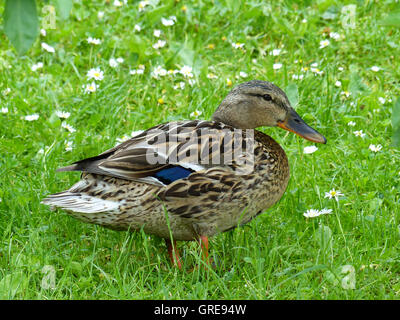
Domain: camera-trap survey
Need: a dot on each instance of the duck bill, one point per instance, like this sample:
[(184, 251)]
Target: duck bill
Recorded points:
[(294, 123)]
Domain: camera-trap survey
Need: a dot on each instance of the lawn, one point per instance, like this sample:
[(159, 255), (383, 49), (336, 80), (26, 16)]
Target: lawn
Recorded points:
[(168, 60)]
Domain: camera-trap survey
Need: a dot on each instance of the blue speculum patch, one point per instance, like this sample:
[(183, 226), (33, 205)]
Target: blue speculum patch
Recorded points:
[(171, 174)]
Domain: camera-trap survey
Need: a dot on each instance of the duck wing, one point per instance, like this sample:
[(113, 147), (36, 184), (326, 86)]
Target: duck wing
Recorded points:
[(168, 152)]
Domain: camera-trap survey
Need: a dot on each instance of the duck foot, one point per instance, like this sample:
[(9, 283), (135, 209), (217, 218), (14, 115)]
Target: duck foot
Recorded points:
[(173, 253)]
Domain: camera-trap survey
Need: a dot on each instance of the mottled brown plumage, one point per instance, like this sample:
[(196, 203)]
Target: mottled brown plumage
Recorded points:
[(191, 179)]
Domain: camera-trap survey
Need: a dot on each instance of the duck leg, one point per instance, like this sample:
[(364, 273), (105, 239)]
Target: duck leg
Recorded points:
[(173, 253), (203, 240)]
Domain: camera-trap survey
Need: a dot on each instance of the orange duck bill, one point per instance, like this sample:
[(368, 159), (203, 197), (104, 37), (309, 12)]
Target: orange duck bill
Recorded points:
[(294, 123)]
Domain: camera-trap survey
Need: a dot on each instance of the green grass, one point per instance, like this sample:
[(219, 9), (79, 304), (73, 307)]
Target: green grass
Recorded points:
[(279, 255)]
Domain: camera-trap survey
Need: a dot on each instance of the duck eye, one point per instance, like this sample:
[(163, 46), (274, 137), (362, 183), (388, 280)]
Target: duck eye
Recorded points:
[(267, 97)]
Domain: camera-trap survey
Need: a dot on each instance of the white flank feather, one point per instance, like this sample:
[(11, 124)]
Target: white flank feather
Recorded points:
[(80, 203)]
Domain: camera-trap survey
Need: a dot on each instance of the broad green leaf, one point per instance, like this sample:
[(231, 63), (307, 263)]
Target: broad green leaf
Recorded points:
[(13, 284), (21, 23), (187, 56), (137, 45), (356, 85), (292, 93), (323, 235), (155, 15), (392, 19), (64, 8), (330, 14), (234, 5), (396, 124)]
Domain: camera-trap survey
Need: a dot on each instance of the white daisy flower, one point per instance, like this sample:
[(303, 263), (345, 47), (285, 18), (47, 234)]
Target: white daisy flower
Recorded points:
[(211, 76), (180, 85), (137, 28), (359, 133), (297, 77), (96, 74), (338, 83), (345, 93), (120, 60), (32, 117), (4, 110), (334, 35), (237, 45), (136, 133), (340, 68), (243, 74), (186, 71), (277, 66), (276, 52), (382, 100), (118, 3), (375, 68), (157, 33), (100, 14), (6, 91), (63, 114), (159, 72), (317, 71), (37, 66), (68, 127), (142, 5), (375, 148), (113, 63), (94, 41), (310, 149), (351, 123), (304, 20), (168, 22), (172, 72), (333, 194), (159, 44), (123, 138), (324, 43), (68, 145), (90, 87), (139, 70), (326, 211), (196, 114), (48, 48), (311, 213), (43, 32)]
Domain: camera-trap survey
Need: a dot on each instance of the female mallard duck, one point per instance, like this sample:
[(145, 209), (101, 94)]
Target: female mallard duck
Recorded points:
[(189, 180)]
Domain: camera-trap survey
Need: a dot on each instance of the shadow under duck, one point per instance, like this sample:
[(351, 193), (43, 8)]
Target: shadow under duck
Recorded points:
[(189, 180)]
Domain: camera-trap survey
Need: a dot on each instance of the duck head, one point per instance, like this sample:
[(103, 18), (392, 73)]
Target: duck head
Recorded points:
[(259, 103)]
